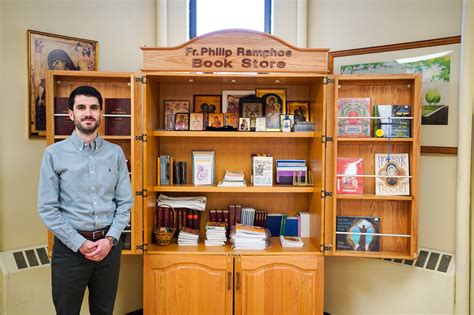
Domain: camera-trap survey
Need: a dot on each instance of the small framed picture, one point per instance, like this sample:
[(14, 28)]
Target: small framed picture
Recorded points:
[(244, 124), (251, 107), (181, 121), (299, 109), (216, 120), (260, 124), (287, 122), (171, 108), (231, 99), (196, 121), (232, 120), (273, 107), (207, 103)]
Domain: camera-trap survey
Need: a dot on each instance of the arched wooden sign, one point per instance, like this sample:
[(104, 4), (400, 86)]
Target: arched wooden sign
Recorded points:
[(235, 51)]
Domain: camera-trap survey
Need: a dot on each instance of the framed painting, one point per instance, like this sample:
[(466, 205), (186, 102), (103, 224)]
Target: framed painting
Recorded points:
[(300, 110), (181, 121), (207, 104), (438, 62), (251, 107), (231, 99), (53, 52), (172, 107), (274, 101)]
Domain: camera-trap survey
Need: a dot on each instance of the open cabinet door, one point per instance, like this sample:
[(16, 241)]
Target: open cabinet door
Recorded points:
[(375, 125)]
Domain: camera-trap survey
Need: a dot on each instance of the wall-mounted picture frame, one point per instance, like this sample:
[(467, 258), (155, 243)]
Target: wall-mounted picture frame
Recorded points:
[(274, 103), (251, 107), (181, 121), (231, 99), (48, 51), (299, 109), (438, 60), (172, 107), (196, 121)]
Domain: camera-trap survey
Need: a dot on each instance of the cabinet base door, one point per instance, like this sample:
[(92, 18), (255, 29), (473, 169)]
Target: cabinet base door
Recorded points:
[(279, 285), (176, 284)]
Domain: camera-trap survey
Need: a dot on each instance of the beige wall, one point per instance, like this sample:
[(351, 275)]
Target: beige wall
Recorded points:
[(363, 286), (121, 27)]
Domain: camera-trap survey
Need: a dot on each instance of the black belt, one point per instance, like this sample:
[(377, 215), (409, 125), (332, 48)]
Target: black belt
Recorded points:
[(95, 235)]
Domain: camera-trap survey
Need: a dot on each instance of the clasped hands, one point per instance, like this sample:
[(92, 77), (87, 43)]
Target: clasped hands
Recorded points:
[(96, 251)]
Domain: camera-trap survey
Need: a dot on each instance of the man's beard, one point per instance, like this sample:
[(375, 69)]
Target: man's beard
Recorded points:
[(87, 130)]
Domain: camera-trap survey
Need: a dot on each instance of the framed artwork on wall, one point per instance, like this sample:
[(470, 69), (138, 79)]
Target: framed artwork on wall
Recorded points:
[(53, 52), (438, 62)]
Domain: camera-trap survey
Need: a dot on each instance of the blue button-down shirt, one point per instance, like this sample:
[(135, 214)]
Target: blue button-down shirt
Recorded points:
[(84, 187)]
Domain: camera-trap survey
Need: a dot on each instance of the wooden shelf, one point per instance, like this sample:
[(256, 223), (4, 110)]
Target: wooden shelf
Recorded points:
[(381, 254), (309, 248), (102, 136), (248, 189), (373, 197), (235, 134), (371, 139)]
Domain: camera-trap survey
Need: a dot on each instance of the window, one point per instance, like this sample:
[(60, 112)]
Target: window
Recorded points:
[(210, 15)]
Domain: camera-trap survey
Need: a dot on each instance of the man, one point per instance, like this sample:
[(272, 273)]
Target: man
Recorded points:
[(84, 198)]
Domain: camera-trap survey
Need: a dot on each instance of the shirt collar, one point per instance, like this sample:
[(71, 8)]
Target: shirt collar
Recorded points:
[(79, 144)]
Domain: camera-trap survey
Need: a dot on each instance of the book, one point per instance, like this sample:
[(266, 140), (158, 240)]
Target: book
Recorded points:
[(355, 233), (117, 106), (203, 167), (262, 170), (291, 226), (353, 126), (273, 223), (304, 224), (346, 182), (291, 241), (117, 126), (392, 128), (392, 173)]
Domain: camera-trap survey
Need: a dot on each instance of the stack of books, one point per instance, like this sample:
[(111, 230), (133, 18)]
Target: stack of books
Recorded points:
[(250, 237), (188, 237), (215, 234), (233, 179), (291, 241)]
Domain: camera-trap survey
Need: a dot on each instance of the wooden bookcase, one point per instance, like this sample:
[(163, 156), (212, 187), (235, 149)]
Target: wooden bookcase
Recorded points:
[(220, 280)]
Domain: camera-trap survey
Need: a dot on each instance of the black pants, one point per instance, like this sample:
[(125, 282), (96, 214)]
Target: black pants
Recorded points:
[(72, 272)]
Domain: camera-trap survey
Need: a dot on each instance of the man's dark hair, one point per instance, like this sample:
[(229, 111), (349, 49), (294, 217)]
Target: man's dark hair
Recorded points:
[(87, 91)]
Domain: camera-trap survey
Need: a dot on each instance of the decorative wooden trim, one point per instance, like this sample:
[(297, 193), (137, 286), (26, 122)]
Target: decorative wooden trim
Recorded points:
[(392, 47), (439, 150), (236, 50)]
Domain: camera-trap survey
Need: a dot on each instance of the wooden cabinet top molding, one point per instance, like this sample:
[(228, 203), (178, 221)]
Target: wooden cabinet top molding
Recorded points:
[(236, 50)]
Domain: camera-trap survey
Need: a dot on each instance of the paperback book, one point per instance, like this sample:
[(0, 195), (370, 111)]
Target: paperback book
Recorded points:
[(353, 117), (392, 128), (347, 181), (357, 233), (262, 170), (392, 171)]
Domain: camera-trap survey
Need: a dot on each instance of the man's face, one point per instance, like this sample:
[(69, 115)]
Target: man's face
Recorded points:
[(86, 114)]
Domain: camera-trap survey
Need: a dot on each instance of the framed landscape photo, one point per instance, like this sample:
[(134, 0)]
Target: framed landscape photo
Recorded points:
[(172, 107), (231, 99), (299, 109), (53, 52), (274, 101)]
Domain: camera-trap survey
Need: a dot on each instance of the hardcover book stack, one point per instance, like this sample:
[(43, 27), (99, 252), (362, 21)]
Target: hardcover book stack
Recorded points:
[(289, 171), (215, 234), (250, 237)]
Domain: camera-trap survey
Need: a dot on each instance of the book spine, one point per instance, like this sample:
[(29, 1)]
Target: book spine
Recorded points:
[(196, 219), (189, 218), (231, 216), (238, 214), (182, 171)]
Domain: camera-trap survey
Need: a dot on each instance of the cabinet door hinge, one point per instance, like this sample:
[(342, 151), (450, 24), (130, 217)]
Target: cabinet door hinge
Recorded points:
[(141, 79), (328, 80), (143, 193), (325, 248), (325, 194), (143, 247), (141, 137), (325, 139)]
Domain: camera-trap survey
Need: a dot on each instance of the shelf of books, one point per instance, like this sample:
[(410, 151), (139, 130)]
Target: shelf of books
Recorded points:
[(251, 145), (376, 123), (119, 125)]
